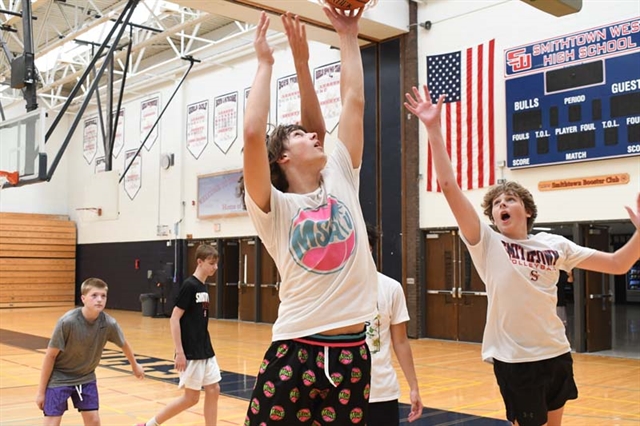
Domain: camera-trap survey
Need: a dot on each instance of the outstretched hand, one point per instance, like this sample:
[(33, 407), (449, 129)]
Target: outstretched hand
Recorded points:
[(297, 36), (635, 215), (264, 52), (424, 109), (345, 22)]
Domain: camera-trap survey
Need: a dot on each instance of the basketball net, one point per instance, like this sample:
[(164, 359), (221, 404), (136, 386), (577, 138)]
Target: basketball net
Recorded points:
[(8, 177)]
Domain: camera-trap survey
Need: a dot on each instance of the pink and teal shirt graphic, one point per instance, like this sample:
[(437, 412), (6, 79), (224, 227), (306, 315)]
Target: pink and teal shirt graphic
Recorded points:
[(322, 239)]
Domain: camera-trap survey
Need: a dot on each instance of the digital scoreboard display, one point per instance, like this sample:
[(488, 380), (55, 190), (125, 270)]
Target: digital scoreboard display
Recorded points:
[(575, 97)]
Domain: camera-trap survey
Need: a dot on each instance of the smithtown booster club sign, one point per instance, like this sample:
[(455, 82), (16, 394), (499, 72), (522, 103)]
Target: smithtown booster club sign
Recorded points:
[(575, 97)]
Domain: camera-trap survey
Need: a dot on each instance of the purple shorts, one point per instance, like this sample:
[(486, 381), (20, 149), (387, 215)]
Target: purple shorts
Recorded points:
[(84, 397)]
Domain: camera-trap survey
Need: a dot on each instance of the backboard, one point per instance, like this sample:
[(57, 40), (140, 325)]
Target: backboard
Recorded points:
[(22, 146)]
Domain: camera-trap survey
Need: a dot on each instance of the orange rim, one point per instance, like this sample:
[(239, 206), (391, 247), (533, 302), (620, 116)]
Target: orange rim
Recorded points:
[(12, 177)]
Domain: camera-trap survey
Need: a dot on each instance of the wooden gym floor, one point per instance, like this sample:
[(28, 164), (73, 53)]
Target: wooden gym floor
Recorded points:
[(456, 386)]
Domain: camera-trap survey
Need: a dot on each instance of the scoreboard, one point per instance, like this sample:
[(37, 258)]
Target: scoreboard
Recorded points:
[(575, 97)]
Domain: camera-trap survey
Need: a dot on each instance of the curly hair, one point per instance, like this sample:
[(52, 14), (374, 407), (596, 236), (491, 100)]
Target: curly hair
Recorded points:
[(514, 188), (276, 144)]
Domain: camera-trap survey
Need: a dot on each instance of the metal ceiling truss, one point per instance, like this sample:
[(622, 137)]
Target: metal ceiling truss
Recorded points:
[(114, 37), (141, 53), (157, 45)]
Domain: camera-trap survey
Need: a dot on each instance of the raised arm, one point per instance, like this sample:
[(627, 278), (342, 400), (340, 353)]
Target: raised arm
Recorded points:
[(351, 129), (311, 114), (620, 261), (466, 216), (255, 157)]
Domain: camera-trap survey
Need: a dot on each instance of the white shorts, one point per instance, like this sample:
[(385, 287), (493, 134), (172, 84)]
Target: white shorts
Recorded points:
[(199, 373)]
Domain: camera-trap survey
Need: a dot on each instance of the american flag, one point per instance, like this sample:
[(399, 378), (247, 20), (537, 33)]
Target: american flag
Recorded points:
[(466, 77)]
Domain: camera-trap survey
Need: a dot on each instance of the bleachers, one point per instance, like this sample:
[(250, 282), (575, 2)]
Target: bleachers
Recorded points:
[(37, 260)]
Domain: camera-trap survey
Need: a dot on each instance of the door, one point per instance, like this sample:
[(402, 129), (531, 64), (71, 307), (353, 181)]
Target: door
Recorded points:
[(269, 288), (472, 300), (230, 278), (456, 297), (441, 309), (598, 295), (246, 281)]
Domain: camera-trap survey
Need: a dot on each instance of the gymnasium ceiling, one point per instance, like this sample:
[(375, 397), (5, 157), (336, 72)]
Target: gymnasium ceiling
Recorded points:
[(65, 30), (66, 34)]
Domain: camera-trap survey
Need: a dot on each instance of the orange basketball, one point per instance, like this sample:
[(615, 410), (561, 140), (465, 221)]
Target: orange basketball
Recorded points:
[(347, 4)]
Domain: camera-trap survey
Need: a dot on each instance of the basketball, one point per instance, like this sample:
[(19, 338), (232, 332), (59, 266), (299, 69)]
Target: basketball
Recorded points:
[(347, 4)]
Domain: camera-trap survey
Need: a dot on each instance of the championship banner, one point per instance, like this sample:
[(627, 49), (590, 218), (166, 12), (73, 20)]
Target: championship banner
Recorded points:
[(327, 86), (288, 100), (197, 128), (90, 139), (225, 121), (133, 178), (101, 165), (118, 142), (149, 112)]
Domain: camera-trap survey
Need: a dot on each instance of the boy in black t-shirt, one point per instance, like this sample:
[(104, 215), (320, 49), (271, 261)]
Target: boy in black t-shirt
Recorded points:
[(194, 356)]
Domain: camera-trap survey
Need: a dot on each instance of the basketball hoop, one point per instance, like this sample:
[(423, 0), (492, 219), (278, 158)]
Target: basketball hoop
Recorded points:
[(8, 177)]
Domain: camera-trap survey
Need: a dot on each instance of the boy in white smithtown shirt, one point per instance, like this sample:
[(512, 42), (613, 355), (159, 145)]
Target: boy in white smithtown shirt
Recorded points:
[(523, 337)]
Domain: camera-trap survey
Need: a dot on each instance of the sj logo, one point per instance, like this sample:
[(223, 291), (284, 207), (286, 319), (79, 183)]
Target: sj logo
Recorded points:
[(519, 60)]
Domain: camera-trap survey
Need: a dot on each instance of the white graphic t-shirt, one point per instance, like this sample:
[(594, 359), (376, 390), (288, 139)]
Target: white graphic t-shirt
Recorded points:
[(520, 276), (392, 310), (319, 244)]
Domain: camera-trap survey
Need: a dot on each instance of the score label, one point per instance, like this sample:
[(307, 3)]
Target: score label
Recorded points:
[(574, 97)]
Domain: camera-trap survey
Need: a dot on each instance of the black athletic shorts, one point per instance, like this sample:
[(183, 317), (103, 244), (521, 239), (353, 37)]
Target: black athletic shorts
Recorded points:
[(531, 389), (315, 380)]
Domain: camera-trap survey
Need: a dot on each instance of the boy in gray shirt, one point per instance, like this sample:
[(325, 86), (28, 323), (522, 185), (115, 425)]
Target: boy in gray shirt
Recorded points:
[(74, 352)]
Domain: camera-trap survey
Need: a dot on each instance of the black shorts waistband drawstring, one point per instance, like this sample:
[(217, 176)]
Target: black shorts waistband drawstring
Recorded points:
[(337, 341)]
